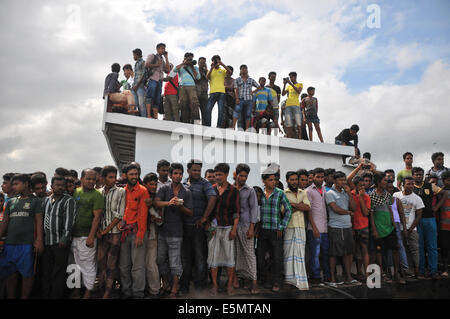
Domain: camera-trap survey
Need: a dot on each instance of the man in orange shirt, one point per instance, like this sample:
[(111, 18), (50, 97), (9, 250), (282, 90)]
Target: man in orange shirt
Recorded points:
[(134, 236)]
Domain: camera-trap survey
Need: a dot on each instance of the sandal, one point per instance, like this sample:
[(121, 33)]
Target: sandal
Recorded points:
[(213, 292), (275, 288)]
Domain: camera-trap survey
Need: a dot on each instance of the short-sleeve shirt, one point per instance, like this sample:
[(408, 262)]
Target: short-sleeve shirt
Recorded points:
[(173, 216), (22, 214), (346, 137), (359, 220), (318, 207), (169, 89), (411, 203), (403, 173), (185, 78), (297, 217), (438, 174), (427, 191), (201, 191), (276, 91), (262, 98), (87, 202), (245, 87), (217, 82), (342, 200), (310, 105), (293, 98), (158, 72)]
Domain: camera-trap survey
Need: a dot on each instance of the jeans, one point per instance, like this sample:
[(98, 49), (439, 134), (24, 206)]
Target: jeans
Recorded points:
[(291, 114), (193, 257), (317, 246), (220, 99), (203, 101), (427, 230), (132, 267), (139, 98), (268, 240), (244, 107), (153, 95), (169, 256)]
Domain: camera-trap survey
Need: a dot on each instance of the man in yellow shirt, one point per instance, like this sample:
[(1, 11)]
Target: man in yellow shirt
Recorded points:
[(295, 234), (293, 110), (216, 76)]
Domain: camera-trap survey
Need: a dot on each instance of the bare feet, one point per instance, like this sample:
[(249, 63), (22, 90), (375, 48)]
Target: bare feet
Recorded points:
[(213, 291)]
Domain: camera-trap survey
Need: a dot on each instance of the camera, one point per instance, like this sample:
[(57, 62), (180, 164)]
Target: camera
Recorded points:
[(286, 79), (190, 61)]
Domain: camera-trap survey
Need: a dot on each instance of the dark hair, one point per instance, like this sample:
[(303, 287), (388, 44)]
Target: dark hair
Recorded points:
[(62, 171), (329, 171), (258, 189), (38, 179), (445, 175), (59, 178), (338, 174), (310, 89), (150, 177), (243, 66), (436, 155), (407, 178), (293, 73), (266, 176), (175, 166), (231, 68), (210, 170), (369, 175), (188, 54), (242, 168), (73, 173), (202, 58), (24, 178), (194, 162), (378, 177), (115, 67), (355, 127), (162, 163), (127, 67), (318, 170), (301, 172), (97, 169), (222, 167), (262, 78), (271, 72), (70, 179), (129, 167), (290, 173), (107, 170), (303, 96), (138, 52), (2, 196), (8, 176), (390, 170), (367, 155), (215, 57), (406, 154), (160, 45), (417, 169), (357, 179)]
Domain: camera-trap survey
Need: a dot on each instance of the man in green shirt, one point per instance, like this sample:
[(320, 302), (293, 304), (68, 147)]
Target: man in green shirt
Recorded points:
[(23, 222), (408, 159), (90, 204)]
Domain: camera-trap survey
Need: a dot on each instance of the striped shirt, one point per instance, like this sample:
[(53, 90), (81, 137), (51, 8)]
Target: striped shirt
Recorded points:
[(271, 211), (114, 207), (59, 219)]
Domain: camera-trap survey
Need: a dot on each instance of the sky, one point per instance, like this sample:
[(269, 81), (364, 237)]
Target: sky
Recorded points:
[(389, 75)]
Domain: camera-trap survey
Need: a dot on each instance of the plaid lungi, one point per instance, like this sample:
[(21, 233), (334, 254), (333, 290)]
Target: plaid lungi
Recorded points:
[(245, 255)]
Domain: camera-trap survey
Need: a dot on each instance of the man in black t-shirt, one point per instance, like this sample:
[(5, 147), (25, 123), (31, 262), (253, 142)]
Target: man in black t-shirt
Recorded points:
[(347, 135)]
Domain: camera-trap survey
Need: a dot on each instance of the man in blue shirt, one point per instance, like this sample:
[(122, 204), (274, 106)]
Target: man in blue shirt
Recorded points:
[(188, 73)]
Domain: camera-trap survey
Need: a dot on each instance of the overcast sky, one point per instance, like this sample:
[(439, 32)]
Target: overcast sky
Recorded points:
[(394, 81)]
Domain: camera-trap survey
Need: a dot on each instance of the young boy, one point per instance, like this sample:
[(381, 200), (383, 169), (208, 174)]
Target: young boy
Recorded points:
[(108, 234), (23, 223), (293, 112), (311, 108), (262, 96)]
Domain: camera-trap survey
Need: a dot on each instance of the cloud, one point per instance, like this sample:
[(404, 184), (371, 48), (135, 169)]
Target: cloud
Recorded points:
[(55, 64)]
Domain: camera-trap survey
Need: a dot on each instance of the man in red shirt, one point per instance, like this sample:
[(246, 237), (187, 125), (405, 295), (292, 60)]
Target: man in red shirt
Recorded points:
[(134, 236), (171, 106)]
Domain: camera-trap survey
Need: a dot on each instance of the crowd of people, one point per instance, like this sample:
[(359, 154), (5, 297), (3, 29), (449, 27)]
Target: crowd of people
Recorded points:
[(157, 236), (243, 101)]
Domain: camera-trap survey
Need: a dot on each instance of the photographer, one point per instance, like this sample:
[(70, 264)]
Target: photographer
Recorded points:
[(216, 76), (156, 66), (202, 87), (293, 110), (188, 73)]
